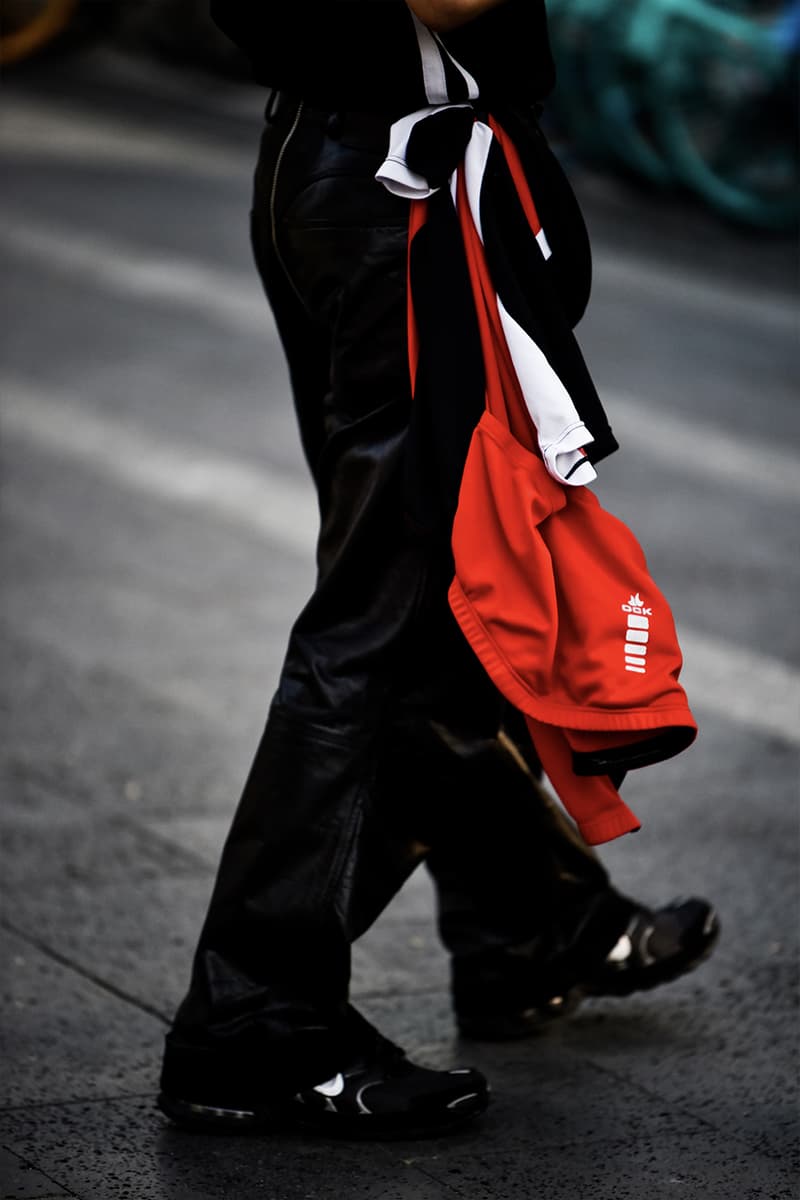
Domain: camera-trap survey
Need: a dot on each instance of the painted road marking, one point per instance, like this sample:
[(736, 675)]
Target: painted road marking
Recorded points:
[(741, 685), (680, 288), (272, 503), (236, 301), (722, 678), (40, 130), (123, 269), (58, 132), (703, 450)]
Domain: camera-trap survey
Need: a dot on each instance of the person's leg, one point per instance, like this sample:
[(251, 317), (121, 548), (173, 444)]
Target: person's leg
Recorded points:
[(442, 766), (525, 907), (298, 881), (266, 1015)]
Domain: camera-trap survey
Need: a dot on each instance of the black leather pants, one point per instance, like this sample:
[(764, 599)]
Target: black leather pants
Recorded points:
[(381, 746)]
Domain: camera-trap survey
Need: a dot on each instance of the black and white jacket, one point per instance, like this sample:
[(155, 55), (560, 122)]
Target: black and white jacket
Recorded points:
[(449, 153)]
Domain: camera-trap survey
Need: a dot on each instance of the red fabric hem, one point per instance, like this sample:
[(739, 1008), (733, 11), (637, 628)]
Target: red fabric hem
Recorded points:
[(609, 826), (565, 716)]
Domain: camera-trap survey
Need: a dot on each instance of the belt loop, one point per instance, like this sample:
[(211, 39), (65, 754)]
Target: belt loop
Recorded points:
[(334, 125)]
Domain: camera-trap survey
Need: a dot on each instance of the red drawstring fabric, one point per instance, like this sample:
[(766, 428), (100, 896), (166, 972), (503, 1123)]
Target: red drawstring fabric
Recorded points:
[(552, 591)]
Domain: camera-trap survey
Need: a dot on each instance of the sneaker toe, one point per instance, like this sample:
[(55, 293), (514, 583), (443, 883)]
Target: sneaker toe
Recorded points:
[(658, 946)]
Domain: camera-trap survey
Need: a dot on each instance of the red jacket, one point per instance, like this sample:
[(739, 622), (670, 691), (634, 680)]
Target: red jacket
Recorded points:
[(551, 590)]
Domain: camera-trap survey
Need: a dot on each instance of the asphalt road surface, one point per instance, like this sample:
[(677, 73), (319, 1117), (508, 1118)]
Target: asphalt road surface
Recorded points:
[(157, 532)]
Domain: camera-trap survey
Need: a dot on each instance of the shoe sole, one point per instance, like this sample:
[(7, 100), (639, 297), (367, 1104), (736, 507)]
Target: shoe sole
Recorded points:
[(207, 1119), (514, 1027)]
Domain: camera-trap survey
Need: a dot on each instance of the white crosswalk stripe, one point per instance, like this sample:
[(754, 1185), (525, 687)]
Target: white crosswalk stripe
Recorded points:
[(235, 300), (701, 450), (739, 685), (275, 505), (32, 129), (641, 280), (226, 298), (723, 679)]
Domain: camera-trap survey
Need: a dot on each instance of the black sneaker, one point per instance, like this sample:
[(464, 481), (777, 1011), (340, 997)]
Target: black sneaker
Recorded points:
[(619, 947), (377, 1094), (657, 946)]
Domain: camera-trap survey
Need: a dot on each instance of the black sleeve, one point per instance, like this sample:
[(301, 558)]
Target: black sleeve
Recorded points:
[(353, 53), (363, 54), (507, 49)]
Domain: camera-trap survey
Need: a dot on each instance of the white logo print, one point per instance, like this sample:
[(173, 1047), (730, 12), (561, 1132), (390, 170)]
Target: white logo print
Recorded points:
[(637, 634)]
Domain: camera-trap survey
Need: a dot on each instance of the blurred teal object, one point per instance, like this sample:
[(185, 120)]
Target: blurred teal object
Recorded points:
[(690, 92)]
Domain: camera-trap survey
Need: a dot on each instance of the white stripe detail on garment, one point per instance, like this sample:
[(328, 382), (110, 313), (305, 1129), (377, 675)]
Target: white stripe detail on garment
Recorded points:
[(474, 168), (475, 160), (433, 72), (473, 91), (560, 431), (723, 679), (544, 245)]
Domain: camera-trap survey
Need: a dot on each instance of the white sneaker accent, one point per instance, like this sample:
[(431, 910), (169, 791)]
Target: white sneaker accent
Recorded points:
[(333, 1087), (644, 946), (362, 1108), (461, 1099), (622, 950)]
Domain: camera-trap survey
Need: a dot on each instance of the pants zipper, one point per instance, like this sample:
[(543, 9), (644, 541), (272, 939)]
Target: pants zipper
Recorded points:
[(272, 216)]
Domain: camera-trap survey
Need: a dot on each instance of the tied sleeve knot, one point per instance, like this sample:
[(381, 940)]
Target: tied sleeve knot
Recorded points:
[(425, 149), (438, 142)]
